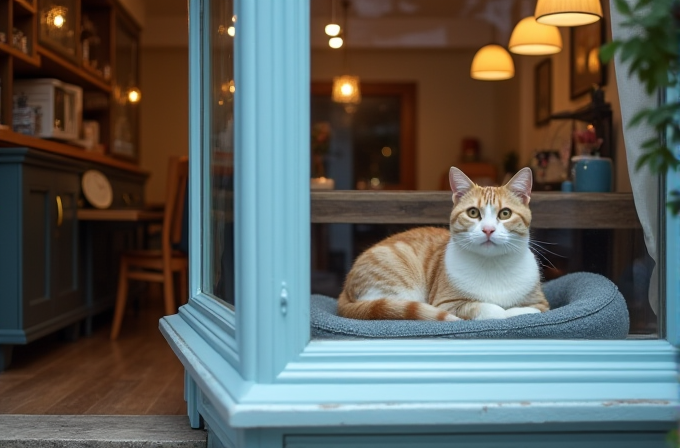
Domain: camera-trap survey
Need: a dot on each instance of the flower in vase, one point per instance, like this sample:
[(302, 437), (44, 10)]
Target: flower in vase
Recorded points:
[(587, 142)]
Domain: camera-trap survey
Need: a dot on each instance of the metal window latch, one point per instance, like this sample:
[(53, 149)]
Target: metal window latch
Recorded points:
[(284, 299)]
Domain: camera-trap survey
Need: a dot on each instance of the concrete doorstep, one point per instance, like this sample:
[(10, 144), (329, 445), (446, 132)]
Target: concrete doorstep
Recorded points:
[(99, 431)]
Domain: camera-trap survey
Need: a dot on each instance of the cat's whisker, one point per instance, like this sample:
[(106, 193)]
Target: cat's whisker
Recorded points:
[(536, 246), (546, 259), (543, 242)]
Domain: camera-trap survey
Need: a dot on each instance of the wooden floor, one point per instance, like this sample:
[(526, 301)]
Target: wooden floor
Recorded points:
[(136, 375)]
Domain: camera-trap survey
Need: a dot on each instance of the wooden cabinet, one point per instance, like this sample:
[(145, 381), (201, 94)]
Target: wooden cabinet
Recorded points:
[(89, 43), (39, 261)]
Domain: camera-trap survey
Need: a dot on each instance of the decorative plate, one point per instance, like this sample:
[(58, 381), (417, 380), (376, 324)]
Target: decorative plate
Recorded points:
[(97, 189)]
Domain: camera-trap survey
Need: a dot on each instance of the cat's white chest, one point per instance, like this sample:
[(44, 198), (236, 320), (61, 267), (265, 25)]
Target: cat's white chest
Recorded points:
[(504, 281)]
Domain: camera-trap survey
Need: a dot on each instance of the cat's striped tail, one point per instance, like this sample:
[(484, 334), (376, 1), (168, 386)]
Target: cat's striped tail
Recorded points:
[(390, 309)]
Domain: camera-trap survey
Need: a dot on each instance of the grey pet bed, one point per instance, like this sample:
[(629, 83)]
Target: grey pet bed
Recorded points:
[(583, 306)]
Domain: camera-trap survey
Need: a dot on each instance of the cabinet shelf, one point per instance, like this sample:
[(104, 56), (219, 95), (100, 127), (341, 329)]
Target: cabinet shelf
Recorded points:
[(54, 65), (10, 138), (25, 6), (30, 60)]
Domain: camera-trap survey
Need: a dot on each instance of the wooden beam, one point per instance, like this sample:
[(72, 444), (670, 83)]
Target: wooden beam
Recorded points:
[(550, 210)]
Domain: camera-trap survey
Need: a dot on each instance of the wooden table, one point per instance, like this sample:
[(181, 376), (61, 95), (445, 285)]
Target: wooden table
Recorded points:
[(550, 210)]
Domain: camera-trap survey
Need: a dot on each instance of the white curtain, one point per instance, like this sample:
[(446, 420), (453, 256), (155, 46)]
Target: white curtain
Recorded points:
[(645, 185)]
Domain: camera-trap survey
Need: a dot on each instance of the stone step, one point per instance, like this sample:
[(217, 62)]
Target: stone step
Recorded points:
[(99, 431)]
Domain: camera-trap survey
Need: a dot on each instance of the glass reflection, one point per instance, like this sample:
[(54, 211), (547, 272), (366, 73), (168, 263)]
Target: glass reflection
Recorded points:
[(220, 242)]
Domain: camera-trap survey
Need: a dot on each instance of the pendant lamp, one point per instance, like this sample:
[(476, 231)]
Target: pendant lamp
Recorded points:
[(346, 89), (492, 63), (532, 38), (568, 12)]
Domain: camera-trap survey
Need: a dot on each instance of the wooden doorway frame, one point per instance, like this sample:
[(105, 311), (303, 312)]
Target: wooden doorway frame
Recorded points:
[(406, 92)]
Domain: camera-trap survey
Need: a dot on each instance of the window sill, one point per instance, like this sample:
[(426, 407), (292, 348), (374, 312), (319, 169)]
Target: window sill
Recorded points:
[(439, 382)]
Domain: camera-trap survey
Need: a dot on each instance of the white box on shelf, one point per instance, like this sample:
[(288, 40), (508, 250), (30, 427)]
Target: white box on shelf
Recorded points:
[(60, 105)]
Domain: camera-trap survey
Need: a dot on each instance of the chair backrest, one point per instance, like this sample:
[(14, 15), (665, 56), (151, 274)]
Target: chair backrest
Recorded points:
[(178, 172)]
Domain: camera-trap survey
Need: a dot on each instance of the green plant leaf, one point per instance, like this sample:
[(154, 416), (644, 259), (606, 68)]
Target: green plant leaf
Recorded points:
[(608, 50)]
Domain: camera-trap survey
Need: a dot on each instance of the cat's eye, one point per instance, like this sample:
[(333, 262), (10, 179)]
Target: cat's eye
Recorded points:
[(473, 213), (505, 213)]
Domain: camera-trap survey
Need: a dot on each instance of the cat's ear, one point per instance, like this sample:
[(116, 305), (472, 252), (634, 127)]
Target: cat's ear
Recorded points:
[(520, 184), (460, 183)]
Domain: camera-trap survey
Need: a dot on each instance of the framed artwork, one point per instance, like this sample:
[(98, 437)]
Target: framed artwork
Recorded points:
[(543, 92), (585, 66)]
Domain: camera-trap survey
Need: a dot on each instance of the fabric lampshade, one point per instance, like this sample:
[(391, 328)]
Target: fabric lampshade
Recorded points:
[(568, 12), (492, 63), (532, 38)]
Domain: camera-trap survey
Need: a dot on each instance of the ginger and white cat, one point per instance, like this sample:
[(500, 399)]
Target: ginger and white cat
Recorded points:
[(481, 268)]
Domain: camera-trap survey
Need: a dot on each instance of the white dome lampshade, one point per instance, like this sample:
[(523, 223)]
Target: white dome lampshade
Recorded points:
[(568, 12), (532, 38), (492, 63)]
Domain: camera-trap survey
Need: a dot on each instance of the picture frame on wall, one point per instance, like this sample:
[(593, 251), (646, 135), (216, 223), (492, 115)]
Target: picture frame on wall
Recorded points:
[(585, 67), (543, 92)]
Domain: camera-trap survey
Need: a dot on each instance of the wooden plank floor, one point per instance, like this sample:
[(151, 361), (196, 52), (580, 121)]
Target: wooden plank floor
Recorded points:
[(136, 375)]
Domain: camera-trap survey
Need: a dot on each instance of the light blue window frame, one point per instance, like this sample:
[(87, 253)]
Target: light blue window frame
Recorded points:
[(256, 367)]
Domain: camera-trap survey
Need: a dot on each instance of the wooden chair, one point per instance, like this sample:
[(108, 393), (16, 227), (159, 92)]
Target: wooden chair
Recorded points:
[(159, 265)]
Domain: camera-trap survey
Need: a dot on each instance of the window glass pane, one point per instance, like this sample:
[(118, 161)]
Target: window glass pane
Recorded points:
[(220, 234), (547, 117)]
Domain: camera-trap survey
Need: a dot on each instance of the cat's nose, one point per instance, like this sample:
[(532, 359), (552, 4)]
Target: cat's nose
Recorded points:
[(488, 230)]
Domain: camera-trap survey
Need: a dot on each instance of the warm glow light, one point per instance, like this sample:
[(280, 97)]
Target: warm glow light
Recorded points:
[(59, 21), (386, 151), (568, 12), (375, 182), (134, 95), (232, 89), (332, 29), (594, 60), (532, 38), (231, 31), (346, 89), (492, 63), (335, 42)]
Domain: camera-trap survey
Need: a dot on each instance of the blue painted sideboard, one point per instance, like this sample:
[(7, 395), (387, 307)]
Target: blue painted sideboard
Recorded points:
[(47, 281)]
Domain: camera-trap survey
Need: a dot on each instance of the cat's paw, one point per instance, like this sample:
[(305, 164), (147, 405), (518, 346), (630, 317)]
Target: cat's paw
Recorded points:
[(451, 318), (490, 311), (519, 310)]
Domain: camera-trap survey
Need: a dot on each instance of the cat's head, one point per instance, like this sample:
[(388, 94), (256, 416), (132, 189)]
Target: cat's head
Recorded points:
[(490, 220)]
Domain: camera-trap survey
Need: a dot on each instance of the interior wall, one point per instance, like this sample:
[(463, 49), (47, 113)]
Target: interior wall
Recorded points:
[(450, 104), (164, 114), (558, 132)]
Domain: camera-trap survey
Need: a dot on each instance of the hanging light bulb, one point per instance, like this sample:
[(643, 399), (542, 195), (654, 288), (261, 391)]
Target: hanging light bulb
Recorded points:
[(492, 63), (332, 29), (568, 12), (335, 42), (532, 38), (134, 95)]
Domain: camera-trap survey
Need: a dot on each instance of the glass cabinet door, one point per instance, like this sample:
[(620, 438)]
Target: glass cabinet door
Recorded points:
[(126, 93), (58, 25), (218, 275)]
